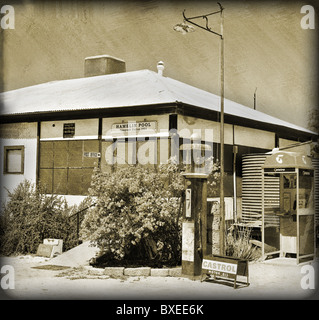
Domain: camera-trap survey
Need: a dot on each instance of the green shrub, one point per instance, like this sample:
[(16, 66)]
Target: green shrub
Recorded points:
[(137, 214), (238, 244), (29, 216)]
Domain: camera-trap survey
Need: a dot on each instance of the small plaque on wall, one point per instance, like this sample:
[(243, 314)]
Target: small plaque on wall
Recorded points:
[(188, 211), (92, 154)]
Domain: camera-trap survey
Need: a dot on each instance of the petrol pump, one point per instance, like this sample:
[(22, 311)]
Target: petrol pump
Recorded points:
[(194, 231)]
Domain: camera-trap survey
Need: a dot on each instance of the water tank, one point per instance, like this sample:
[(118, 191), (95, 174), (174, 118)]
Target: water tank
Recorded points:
[(315, 163), (252, 189)]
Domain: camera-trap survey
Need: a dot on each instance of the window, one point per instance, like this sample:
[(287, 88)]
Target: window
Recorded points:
[(13, 160)]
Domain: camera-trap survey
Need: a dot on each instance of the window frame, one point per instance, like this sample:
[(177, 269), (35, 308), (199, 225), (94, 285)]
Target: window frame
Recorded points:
[(5, 162)]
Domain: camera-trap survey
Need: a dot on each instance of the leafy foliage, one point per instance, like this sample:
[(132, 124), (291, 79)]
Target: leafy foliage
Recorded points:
[(313, 124), (238, 244), (30, 216), (313, 120), (137, 213)]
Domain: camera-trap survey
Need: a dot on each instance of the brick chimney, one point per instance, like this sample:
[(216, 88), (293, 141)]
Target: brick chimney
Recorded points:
[(103, 64)]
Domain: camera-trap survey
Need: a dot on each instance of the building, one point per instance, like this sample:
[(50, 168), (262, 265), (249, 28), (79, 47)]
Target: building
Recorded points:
[(55, 133)]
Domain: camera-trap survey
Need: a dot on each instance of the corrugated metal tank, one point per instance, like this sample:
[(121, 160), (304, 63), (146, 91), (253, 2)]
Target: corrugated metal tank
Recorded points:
[(315, 163), (252, 189)]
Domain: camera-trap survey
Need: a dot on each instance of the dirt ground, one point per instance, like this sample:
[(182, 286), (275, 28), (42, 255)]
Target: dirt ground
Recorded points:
[(273, 279)]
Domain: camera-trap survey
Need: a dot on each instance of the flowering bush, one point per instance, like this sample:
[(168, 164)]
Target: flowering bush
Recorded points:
[(137, 213)]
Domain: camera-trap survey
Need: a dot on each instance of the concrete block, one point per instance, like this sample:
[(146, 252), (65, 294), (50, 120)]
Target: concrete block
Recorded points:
[(44, 250), (159, 272), (57, 246), (137, 272), (175, 272), (95, 271), (114, 271)]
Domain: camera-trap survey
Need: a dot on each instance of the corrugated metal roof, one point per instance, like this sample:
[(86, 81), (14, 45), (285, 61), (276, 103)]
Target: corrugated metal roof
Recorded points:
[(136, 88)]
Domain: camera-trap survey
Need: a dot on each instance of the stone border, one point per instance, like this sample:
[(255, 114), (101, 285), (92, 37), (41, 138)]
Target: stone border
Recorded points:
[(142, 272)]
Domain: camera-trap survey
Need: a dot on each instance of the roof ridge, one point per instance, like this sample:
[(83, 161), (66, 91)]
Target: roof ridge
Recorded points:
[(161, 80)]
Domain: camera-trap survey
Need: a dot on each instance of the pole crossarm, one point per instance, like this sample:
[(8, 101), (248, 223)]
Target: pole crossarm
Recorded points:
[(205, 16)]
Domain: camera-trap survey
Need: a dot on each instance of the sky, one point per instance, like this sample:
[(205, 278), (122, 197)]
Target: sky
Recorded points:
[(266, 49)]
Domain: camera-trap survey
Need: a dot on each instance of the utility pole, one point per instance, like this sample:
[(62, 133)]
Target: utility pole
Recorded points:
[(222, 169), (184, 28)]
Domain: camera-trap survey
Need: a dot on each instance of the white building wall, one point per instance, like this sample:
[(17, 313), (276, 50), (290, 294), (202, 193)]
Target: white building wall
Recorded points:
[(19, 134), (254, 137), (208, 130), (84, 129)]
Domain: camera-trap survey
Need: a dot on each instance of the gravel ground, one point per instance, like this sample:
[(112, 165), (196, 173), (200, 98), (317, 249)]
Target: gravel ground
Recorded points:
[(272, 279)]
